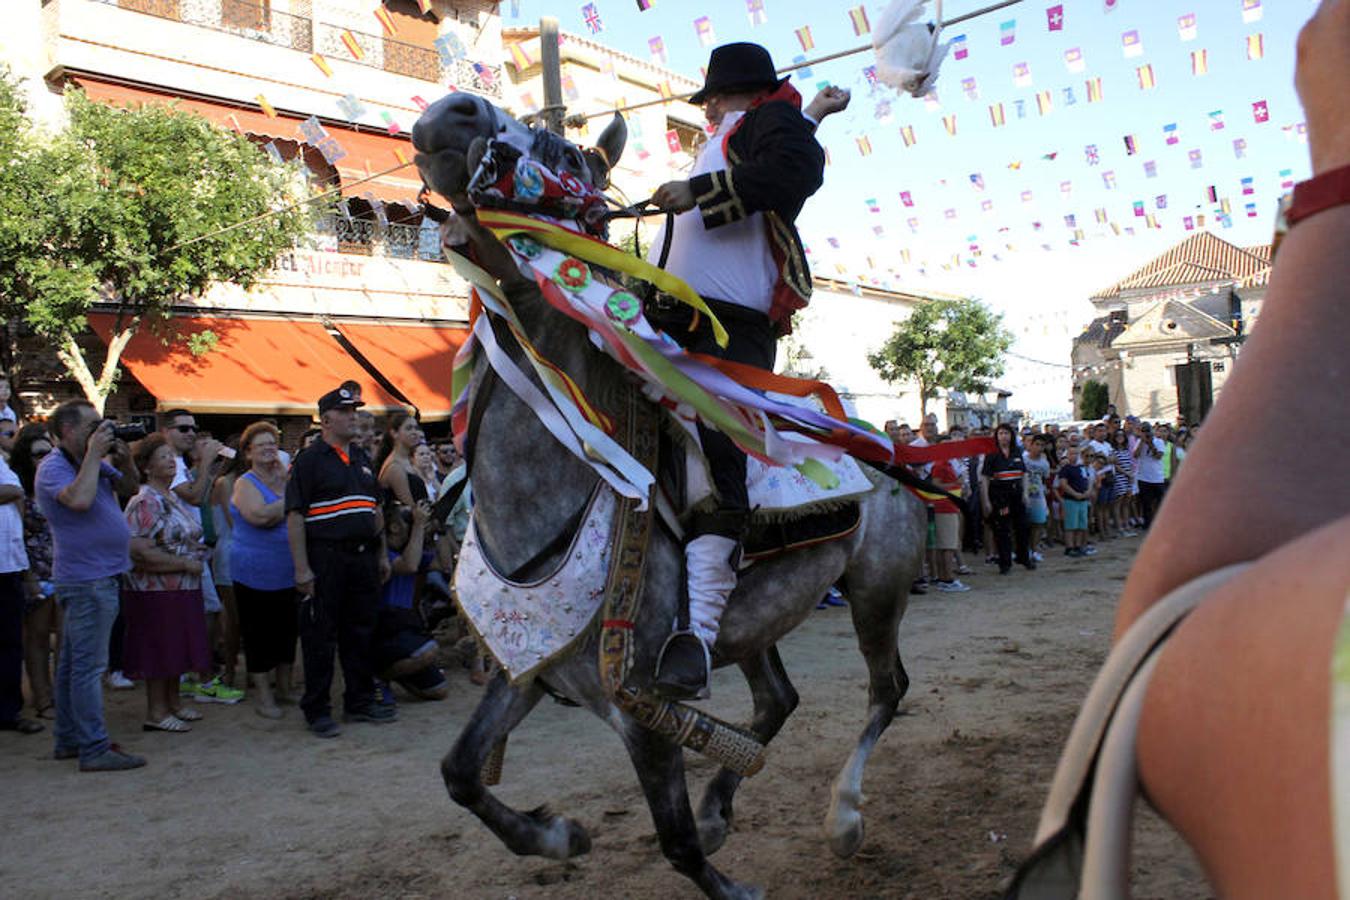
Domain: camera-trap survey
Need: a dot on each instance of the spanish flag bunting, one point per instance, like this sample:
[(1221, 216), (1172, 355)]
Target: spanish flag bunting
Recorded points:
[(1094, 90), (268, 109), (424, 6), (1256, 46), (1146, 80), (1015, 166), (1101, 214), (666, 92), (349, 41), (400, 155), (1226, 206), (234, 123), (386, 21), (1152, 221), (322, 65), (522, 58), (857, 16), (805, 39), (1199, 62), (1044, 103), (996, 115), (949, 123), (865, 145), (907, 135)]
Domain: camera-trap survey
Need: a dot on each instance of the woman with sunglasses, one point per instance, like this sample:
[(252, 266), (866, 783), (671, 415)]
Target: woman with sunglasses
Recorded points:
[(41, 613)]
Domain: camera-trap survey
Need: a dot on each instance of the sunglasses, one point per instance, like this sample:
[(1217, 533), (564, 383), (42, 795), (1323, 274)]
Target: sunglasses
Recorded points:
[(185, 429)]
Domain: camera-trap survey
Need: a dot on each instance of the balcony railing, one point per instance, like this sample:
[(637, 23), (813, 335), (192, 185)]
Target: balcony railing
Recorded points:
[(298, 31), (367, 237)]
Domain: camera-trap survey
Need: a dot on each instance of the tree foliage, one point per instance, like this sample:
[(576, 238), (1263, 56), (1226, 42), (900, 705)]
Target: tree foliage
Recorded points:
[(129, 207), (953, 344), (1094, 399)]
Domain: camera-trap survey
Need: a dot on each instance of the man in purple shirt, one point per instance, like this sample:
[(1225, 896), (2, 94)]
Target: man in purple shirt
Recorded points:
[(77, 492)]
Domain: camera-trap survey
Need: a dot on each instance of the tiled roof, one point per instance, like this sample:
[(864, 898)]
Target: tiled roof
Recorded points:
[(1101, 331), (1200, 258)]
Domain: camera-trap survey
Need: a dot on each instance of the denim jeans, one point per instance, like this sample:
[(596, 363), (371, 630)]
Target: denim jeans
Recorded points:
[(90, 609)]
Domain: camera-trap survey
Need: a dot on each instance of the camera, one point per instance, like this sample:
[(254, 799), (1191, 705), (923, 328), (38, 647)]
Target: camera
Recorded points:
[(128, 431)]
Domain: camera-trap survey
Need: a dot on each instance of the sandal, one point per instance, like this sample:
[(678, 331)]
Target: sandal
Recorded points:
[(187, 714), (168, 723), (47, 712), (23, 726)]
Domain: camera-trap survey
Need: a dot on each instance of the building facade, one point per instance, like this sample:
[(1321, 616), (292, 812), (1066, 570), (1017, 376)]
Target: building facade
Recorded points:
[(1171, 332)]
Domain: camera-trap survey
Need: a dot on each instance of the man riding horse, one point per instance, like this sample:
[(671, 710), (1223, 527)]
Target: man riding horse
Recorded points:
[(734, 240)]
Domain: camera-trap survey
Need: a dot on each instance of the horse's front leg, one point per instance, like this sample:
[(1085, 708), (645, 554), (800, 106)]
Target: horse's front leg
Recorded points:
[(775, 698), (535, 833), (660, 769)]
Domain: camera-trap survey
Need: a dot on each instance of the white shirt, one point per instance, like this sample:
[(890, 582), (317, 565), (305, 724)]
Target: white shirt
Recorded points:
[(13, 556), (1102, 447), (1147, 468), (730, 263)]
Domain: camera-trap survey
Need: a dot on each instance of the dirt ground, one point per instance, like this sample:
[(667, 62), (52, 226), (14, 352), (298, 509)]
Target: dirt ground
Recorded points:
[(247, 807)]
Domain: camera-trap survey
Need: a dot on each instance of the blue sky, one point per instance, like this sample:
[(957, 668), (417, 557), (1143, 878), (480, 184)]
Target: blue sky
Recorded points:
[(1042, 292)]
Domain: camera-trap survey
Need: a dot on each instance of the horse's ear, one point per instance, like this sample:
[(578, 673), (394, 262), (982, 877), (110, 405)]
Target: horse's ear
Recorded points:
[(612, 140)]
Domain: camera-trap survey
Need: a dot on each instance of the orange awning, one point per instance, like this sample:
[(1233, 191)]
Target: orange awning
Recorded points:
[(415, 358), (368, 152), (258, 366)]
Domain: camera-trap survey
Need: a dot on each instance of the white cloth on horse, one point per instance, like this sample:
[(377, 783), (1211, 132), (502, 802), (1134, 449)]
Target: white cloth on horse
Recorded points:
[(908, 53), (712, 578), (730, 263)]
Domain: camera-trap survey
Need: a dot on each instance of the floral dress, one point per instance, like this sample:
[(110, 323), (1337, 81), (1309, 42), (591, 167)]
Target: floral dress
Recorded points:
[(37, 540), (174, 526)]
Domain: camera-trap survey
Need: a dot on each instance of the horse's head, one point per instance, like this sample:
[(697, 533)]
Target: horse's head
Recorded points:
[(450, 135)]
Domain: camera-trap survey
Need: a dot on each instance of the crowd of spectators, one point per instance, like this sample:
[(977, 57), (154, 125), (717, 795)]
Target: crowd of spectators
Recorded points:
[(158, 559), (1044, 487)]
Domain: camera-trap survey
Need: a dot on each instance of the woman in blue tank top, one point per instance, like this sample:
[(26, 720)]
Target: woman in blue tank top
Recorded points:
[(264, 576)]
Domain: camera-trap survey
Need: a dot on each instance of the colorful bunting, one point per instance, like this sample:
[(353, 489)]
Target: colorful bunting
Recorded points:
[(1094, 90), (1054, 17), (1130, 148), (1022, 74), (1160, 201), (1069, 98), (592, 17), (1109, 180), (1251, 210), (1043, 102), (390, 126), (1146, 80), (1151, 169), (268, 109), (270, 148), (424, 6), (1256, 46), (865, 145), (907, 135), (1239, 148), (977, 181), (804, 38), (857, 17), (450, 48), (522, 57), (996, 115), (656, 46), (1131, 45), (386, 21), (1196, 158), (1170, 133), (968, 85), (1026, 196), (704, 29), (1286, 179), (1007, 32), (755, 10), (1138, 208), (872, 205), (1260, 112), (1073, 60), (644, 5), (1248, 186), (1251, 11), (1186, 27), (906, 198), (1092, 154), (949, 123), (322, 65), (419, 102), (349, 41), (959, 47), (1199, 62)]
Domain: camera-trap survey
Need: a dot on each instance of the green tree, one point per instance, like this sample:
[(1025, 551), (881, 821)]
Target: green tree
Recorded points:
[(1094, 399), (142, 208), (954, 344)]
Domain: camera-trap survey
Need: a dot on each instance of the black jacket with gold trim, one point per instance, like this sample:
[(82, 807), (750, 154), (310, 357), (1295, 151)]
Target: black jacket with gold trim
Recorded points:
[(774, 165)]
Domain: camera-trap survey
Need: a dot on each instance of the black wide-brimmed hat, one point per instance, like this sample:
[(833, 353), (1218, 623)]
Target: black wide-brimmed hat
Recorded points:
[(738, 67)]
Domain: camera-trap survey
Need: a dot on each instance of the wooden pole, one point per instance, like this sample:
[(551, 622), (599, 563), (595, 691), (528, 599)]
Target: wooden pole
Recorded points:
[(552, 113)]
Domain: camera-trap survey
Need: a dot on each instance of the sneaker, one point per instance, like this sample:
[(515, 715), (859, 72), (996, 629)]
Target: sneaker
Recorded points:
[(1128, 533), (324, 727), (216, 691), (1037, 556), (1089, 550), (374, 714), (1074, 552), (114, 759), (952, 587), (119, 682)]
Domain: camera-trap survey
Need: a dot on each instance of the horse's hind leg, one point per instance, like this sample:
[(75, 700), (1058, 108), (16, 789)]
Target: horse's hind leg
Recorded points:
[(536, 833), (660, 769), (876, 619), (775, 698)]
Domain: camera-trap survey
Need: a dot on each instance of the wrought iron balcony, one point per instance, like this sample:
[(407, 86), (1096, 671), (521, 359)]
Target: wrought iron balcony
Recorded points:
[(368, 237), (298, 31)]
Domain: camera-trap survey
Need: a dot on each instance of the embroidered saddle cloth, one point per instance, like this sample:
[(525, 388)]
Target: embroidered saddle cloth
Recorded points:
[(525, 626)]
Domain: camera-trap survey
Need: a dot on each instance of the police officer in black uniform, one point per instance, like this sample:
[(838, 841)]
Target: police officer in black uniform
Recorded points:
[(336, 535)]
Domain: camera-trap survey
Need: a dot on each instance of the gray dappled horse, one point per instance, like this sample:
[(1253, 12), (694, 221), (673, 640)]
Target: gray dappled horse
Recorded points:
[(527, 489)]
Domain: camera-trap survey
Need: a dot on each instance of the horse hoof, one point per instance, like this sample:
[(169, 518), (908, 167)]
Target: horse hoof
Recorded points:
[(565, 839), (712, 833), (846, 832)]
